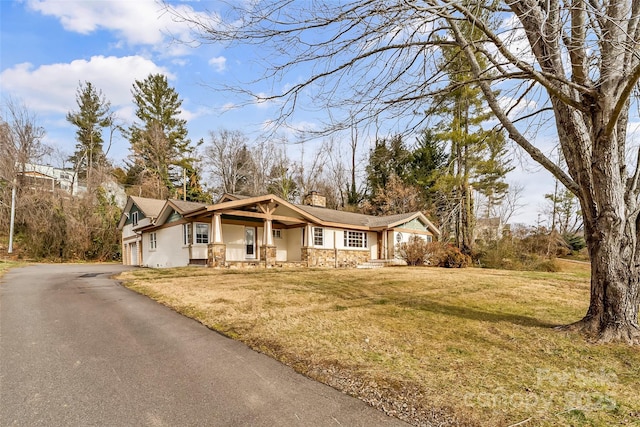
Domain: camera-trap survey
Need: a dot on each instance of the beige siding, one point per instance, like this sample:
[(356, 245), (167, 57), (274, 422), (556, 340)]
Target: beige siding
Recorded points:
[(233, 237), (293, 240)]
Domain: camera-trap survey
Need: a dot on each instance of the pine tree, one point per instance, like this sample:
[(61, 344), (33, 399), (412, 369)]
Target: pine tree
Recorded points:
[(476, 155), (389, 157), (427, 159), (490, 172), (92, 117), (159, 144)]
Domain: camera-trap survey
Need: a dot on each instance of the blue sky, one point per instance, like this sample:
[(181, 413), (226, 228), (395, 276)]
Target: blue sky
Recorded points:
[(47, 47)]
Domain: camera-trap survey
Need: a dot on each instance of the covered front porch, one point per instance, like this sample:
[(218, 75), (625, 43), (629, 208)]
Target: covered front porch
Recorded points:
[(265, 232)]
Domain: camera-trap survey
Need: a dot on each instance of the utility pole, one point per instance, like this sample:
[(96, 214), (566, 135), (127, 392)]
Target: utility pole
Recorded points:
[(184, 184), (13, 214)]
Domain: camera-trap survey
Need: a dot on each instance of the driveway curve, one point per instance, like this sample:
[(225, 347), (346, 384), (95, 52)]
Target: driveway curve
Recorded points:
[(78, 349)]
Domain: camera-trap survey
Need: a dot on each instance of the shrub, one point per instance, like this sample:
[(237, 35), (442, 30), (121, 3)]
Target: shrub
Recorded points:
[(447, 255), (415, 251)]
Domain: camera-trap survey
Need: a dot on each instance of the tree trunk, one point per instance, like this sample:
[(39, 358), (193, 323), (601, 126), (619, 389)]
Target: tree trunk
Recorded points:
[(615, 287), (611, 231)]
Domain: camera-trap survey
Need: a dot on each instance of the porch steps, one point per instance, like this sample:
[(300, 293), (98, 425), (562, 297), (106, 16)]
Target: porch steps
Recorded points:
[(376, 263)]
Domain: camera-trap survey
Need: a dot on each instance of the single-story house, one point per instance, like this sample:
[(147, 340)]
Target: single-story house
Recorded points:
[(263, 231)]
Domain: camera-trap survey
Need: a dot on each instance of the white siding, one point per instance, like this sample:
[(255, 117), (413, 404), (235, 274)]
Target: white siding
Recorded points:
[(169, 252), (127, 231), (334, 239)]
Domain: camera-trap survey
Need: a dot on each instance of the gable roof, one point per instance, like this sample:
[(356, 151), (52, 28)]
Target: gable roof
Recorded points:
[(151, 208), (332, 215), (314, 214), (180, 206), (371, 221)]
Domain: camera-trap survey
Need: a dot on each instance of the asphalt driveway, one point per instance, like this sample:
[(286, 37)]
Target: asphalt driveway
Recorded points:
[(78, 349)]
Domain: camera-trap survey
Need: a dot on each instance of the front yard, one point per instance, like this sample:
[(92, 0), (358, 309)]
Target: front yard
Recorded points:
[(428, 345)]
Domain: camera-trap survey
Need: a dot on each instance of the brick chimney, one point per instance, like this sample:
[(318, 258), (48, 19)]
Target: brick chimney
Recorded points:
[(315, 199)]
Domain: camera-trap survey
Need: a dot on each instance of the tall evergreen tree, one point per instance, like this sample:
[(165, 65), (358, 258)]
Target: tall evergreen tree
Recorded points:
[(427, 159), (490, 173), (159, 144), (389, 157), (476, 155), (93, 115)]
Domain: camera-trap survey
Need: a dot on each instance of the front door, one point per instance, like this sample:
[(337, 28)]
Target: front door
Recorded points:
[(133, 250), (250, 242)]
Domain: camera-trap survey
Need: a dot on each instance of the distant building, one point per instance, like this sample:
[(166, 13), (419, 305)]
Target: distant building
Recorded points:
[(489, 229), (48, 178)]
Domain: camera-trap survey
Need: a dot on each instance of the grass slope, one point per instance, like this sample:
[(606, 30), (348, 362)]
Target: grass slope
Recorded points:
[(428, 345)]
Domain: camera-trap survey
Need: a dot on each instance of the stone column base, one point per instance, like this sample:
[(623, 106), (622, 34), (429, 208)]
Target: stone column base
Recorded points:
[(217, 255), (268, 255)]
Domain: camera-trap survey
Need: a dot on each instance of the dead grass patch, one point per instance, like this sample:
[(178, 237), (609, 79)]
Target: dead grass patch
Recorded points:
[(6, 265), (429, 345)]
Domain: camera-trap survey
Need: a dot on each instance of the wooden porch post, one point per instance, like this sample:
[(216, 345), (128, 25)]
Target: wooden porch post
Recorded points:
[(216, 227), (217, 250)]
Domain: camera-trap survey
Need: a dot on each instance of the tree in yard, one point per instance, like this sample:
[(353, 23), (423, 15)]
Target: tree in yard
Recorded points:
[(20, 144), (387, 158), (564, 211), (282, 179), (476, 155), (159, 144), (490, 173), (574, 64), (396, 197), (20, 140), (92, 117), (191, 188), (427, 159), (229, 159)]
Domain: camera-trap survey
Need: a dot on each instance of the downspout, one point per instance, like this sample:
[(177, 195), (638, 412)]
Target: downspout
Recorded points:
[(335, 251)]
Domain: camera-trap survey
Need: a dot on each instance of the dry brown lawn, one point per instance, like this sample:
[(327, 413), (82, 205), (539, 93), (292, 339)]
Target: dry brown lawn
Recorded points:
[(428, 345)]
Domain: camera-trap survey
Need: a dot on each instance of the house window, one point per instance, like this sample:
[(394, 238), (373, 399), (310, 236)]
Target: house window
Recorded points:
[(277, 233), (429, 239), (187, 237), (134, 218), (153, 241), (202, 233), (355, 239), (318, 236)]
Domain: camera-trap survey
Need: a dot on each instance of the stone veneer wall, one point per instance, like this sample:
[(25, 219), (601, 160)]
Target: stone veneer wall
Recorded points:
[(313, 257)]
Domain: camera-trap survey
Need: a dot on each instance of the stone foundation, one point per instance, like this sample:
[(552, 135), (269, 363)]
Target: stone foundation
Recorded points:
[(336, 258)]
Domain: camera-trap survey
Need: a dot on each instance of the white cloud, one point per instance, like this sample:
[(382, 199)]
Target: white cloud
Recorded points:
[(219, 63), (52, 88), (139, 22)]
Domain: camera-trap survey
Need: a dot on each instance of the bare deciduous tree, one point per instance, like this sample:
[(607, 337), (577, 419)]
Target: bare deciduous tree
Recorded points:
[(229, 160), (20, 139), (575, 64)]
